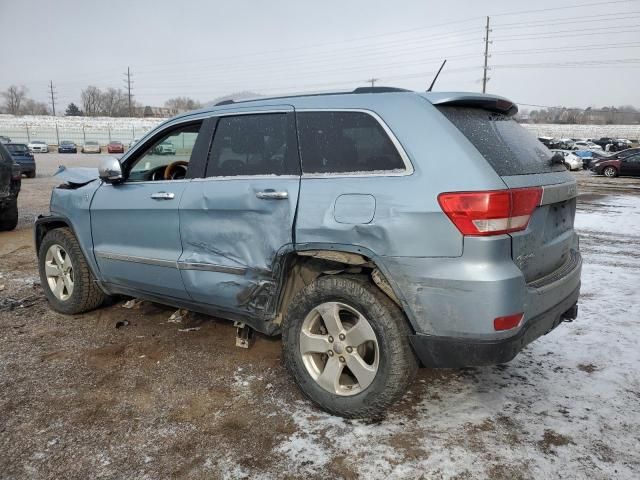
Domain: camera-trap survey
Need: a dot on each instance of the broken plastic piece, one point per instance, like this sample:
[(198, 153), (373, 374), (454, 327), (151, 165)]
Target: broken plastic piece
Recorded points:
[(244, 335), (133, 303)]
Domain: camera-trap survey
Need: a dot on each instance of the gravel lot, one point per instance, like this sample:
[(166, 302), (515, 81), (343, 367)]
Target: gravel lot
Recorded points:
[(80, 398)]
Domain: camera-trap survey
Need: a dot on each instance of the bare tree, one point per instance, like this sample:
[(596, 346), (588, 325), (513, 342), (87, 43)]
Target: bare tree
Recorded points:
[(32, 107), (91, 100), (182, 104), (14, 96), (114, 102)]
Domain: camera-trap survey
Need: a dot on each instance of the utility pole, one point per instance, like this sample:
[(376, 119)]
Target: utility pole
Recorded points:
[(486, 57), (128, 83), (373, 81), (53, 98)]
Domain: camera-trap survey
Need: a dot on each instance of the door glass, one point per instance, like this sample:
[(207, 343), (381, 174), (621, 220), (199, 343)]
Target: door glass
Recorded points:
[(167, 158), (261, 144)]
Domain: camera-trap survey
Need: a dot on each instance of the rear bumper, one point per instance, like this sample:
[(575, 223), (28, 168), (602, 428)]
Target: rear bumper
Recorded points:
[(449, 352)]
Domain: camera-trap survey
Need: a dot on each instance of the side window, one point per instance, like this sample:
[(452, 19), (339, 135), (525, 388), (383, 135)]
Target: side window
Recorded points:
[(260, 144), (343, 142), (167, 158)]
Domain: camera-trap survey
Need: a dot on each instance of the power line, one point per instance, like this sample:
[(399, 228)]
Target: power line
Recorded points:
[(551, 9)]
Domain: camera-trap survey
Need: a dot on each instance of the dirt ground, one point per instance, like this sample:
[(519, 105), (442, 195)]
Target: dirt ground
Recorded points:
[(82, 398)]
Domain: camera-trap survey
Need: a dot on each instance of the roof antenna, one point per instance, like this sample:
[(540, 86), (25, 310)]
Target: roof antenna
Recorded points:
[(436, 77)]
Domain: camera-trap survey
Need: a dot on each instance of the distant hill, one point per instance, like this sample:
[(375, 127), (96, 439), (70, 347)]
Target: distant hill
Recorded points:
[(245, 95)]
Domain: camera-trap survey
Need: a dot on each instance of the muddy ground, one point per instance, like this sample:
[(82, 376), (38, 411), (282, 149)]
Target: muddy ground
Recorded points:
[(81, 398)]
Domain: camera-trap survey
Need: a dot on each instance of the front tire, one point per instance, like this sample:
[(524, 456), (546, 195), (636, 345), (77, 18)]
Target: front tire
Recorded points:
[(65, 276), (9, 216), (346, 344), (610, 172)]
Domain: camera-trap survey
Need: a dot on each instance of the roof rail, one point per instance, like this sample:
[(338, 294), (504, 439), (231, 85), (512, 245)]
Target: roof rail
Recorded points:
[(225, 102), (379, 90)]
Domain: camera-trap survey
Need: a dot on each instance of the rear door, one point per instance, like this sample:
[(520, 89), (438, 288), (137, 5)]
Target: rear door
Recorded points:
[(522, 161), (630, 165), (238, 219)]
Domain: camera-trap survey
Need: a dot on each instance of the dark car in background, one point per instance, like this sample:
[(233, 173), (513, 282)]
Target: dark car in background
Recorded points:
[(616, 165), (10, 182), (23, 157), (4, 139), (591, 156), (67, 146), (115, 147)]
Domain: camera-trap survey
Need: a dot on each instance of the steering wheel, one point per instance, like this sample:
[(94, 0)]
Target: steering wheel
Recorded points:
[(171, 170)]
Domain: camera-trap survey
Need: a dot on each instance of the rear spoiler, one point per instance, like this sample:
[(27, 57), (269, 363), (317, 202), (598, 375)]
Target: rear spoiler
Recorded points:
[(492, 103)]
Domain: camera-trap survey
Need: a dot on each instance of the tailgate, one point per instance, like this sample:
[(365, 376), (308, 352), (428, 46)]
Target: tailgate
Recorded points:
[(547, 243), (521, 161)]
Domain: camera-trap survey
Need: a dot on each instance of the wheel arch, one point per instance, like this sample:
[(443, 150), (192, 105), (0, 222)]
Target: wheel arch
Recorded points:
[(301, 266)]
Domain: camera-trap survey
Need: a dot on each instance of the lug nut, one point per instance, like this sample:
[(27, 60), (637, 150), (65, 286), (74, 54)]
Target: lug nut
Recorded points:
[(341, 336), (349, 349), (330, 339), (342, 359), (330, 353)]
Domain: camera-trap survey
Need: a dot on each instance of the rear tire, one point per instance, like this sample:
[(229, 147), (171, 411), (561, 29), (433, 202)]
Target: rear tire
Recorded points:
[(9, 216), (610, 172), (65, 276), (375, 354), (31, 174)]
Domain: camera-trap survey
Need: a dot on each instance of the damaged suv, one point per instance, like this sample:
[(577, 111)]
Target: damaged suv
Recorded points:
[(375, 230), (10, 183)]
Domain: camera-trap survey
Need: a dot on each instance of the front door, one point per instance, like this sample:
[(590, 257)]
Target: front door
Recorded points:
[(136, 225), (238, 219), (630, 165)]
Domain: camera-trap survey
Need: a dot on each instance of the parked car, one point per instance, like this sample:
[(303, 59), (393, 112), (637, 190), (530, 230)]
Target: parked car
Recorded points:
[(570, 160), (23, 157), (115, 147), (587, 145), (566, 144), (321, 220), (4, 139), (133, 142), (165, 148), (10, 182), (67, 146), (38, 146), (614, 166), (91, 147)]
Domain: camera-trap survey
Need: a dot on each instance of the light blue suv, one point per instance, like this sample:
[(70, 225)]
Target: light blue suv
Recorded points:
[(375, 231)]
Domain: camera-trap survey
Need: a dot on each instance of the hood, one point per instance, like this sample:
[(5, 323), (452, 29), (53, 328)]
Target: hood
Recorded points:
[(77, 176)]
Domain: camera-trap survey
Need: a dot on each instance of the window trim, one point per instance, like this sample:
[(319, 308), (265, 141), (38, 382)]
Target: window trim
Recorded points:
[(409, 170)]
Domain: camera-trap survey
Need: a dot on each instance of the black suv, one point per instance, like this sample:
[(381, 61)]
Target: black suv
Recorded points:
[(10, 178)]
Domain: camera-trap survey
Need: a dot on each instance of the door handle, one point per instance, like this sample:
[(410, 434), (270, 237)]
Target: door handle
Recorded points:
[(271, 194), (163, 196)]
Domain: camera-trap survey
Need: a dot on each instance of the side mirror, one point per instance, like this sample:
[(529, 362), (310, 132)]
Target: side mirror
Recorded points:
[(110, 170)]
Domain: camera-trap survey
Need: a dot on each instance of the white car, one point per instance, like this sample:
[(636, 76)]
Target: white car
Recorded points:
[(587, 145), (165, 148), (38, 146), (571, 160)]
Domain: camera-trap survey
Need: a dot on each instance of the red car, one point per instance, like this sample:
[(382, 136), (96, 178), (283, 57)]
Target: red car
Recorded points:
[(628, 164), (115, 147)]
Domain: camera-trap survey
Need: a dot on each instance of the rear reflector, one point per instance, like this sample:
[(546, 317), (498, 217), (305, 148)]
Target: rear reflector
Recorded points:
[(492, 212), (508, 322)]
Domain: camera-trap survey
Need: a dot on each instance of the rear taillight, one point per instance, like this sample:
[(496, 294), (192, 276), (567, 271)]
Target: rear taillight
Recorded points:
[(491, 212)]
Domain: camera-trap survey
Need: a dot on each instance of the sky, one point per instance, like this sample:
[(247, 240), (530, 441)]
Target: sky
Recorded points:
[(548, 52)]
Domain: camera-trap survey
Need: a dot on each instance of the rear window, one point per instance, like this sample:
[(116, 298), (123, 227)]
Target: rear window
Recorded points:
[(345, 142), (508, 147)]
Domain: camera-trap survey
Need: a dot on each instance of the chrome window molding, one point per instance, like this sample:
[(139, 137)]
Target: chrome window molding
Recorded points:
[(378, 173), (248, 177), (207, 267)]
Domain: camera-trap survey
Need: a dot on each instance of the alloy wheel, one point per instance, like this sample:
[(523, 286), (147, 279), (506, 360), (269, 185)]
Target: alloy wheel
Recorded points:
[(339, 348), (59, 272)]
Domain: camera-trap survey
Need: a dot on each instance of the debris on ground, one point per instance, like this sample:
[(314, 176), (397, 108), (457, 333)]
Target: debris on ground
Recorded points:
[(178, 316), (133, 303), (9, 304), (122, 323), (191, 329)]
